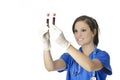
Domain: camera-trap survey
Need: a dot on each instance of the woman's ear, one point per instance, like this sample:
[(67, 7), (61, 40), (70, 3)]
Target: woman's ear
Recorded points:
[(94, 33)]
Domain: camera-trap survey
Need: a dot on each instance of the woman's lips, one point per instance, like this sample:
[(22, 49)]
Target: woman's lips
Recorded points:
[(80, 39)]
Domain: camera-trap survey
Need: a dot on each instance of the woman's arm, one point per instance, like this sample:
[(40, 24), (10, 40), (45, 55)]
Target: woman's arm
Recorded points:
[(83, 60), (51, 65)]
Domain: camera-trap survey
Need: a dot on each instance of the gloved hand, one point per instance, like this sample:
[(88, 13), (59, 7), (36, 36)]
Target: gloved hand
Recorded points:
[(45, 37), (59, 37)]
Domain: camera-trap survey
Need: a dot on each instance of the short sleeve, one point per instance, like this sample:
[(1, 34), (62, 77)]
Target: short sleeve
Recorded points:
[(65, 58), (105, 60)]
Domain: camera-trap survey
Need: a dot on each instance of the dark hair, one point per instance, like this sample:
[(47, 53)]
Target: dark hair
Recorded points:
[(92, 24)]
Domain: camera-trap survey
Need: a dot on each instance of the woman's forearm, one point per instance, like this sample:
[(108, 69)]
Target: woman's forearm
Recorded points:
[(48, 61), (80, 58)]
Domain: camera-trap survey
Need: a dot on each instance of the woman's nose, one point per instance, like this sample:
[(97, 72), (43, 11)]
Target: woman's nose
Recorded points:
[(79, 34)]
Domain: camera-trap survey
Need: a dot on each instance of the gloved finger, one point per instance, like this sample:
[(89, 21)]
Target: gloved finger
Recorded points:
[(55, 32), (54, 29), (43, 30)]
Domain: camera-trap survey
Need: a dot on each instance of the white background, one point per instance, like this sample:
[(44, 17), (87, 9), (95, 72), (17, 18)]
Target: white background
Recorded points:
[(21, 56)]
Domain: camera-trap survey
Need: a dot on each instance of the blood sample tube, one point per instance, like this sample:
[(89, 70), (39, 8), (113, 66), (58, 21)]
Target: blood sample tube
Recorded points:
[(47, 20), (54, 19)]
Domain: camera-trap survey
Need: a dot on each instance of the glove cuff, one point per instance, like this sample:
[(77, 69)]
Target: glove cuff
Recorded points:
[(46, 46), (63, 43), (67, 44)]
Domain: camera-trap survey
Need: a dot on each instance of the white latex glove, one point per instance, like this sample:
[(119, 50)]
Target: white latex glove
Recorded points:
[(45, 37), (58, 36)]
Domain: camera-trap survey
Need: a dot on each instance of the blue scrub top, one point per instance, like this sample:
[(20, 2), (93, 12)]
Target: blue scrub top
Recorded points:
[(76, 72)]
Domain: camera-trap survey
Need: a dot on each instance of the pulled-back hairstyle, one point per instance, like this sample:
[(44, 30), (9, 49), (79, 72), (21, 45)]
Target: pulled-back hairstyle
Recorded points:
[(92, 24)]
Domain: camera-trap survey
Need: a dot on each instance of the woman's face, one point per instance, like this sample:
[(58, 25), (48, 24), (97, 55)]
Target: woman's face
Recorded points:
[(83, 34)]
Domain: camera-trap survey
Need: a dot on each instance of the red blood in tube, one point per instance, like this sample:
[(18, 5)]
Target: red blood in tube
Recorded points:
[(54, 14), (47, 20), (48, 15), (54, 18)]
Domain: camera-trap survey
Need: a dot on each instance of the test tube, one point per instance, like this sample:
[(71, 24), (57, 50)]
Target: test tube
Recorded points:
[(47, 20), (54, 19)]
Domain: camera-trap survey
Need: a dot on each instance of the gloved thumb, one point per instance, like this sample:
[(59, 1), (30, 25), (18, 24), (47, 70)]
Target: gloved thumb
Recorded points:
[(43, 30)]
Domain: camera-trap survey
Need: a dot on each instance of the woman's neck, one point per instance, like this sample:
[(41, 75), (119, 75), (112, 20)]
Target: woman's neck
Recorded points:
[(87, 49)]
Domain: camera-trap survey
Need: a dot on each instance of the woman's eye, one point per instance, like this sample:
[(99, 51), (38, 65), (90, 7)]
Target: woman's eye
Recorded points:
[(83, 30), (75, 31)]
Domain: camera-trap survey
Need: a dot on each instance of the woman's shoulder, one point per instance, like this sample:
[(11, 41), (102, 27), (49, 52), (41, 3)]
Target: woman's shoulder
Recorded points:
[(102, 52)]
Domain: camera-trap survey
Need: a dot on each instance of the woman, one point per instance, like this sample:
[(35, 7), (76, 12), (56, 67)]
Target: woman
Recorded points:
[(86, 63)]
